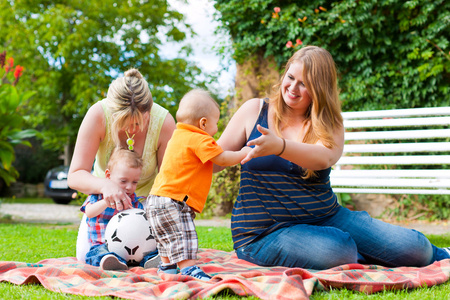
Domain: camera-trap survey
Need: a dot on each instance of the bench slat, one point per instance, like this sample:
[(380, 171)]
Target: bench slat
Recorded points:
[(390, 174), (396, 148), (391, 182), (395, 160), (399, 134), (398, 138), (406, 122), (391, 191), (408, 112)]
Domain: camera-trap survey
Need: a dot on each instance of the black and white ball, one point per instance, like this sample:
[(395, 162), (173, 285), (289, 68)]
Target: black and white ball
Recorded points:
[(128, 234)]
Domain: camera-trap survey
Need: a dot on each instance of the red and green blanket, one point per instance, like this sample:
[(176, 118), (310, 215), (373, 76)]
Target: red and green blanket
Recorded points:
[(67, 275)]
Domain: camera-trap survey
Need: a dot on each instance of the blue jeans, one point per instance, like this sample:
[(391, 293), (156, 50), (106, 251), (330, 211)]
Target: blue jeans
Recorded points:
[(97, 252), (346, 237)]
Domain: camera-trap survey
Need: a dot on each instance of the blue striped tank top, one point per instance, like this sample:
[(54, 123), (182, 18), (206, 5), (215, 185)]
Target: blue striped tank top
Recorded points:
[(272, 195)]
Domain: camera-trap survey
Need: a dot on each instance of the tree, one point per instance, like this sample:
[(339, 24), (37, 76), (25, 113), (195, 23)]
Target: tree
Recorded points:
[(74, 49), (390, 53)]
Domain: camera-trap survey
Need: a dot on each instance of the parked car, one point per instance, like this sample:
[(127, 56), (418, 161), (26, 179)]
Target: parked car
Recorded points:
[(56, 185)]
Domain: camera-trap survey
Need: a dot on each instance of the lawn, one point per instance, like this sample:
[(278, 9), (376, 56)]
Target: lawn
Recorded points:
[(34, 242), (33, 200)]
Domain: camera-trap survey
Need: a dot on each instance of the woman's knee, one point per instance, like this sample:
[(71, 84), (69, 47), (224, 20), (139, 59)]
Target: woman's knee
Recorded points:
[(328, 251), (314, 248), (339, 251), (416, 252)]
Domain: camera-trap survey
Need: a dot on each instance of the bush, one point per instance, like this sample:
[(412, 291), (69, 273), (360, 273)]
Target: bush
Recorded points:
[(33, 163), (390, 54), (11, 121), (225, 184)]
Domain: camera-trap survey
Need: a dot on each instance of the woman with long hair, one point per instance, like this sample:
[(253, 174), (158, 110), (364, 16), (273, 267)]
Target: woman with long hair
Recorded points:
[(126, 118), (286, 213)]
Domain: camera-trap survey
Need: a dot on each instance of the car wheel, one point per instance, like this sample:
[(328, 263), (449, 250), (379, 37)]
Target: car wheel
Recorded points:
[(61, 200)]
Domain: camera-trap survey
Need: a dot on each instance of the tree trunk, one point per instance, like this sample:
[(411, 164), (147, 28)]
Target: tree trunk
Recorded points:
[(255, 78), (68, 152)]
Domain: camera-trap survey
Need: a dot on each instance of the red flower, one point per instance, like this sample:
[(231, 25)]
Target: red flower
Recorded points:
[(323, 9), (18, 72), (298, 42), (289, 44), (11, 62), (277, 9), (302, 20), (316, 10)]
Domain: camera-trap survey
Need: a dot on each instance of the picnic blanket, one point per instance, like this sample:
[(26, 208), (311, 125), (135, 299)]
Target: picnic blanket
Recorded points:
[(67, 275)]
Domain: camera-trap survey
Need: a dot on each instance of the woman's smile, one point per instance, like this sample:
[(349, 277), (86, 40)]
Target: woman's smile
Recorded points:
[(292, 95)]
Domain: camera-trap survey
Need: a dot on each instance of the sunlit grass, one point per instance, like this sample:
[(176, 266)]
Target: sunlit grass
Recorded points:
[(34, 242), (39, 200)]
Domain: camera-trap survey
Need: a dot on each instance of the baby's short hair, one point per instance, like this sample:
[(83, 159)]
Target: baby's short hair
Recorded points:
[(130, 158), (195, 105)]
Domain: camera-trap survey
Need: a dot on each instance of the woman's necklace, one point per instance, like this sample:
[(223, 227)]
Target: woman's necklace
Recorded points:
[(130, 141)]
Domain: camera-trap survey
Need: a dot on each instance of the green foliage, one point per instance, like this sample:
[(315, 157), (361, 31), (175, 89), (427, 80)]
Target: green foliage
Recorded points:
[(11, 118), (33, 162), (74, 49), (345, 200), (390, 54), (225, 184), (224, 190), (421, 207)]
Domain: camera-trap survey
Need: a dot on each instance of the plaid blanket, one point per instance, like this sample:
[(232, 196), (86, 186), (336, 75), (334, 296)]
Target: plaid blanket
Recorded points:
[(67, 275)]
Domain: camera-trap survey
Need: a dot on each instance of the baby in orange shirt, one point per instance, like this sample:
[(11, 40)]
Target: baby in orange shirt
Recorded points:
[(183, 182)]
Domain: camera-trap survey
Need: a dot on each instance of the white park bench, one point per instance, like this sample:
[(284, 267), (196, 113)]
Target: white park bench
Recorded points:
[(402, 151)]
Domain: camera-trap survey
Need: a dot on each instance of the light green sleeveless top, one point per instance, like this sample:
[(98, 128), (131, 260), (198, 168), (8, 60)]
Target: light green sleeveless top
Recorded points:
[(149, 155)]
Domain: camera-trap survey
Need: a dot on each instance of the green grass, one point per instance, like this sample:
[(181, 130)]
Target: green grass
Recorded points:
[(34, 242), (32, 200), (26, 200)]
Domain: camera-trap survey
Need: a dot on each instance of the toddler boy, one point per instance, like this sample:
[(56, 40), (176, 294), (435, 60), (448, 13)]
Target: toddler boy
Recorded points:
[(183, 182), (124, 168)]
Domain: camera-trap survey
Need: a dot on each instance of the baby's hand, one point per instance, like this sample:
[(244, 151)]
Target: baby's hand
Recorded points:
[(246, 150)]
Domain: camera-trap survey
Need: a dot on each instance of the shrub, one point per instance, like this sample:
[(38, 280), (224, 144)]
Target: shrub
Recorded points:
[(11, 122), (390, 53)]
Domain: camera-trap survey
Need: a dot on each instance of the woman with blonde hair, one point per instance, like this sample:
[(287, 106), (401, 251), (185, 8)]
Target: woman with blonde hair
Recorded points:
[(127, 118), (286, 213)]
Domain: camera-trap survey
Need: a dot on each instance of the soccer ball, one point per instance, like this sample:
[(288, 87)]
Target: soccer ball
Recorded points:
[(128, 234)]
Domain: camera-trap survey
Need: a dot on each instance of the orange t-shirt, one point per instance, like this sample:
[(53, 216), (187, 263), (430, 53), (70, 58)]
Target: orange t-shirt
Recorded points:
[(186, 169)]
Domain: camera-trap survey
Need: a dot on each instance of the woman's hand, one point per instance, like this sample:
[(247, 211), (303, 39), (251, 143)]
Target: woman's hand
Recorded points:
[(268, 143), (115, 197)]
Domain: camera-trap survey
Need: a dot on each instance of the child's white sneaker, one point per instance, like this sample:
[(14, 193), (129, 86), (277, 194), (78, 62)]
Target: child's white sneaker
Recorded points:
[(447, 250), (111, 262), (152, 262)]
